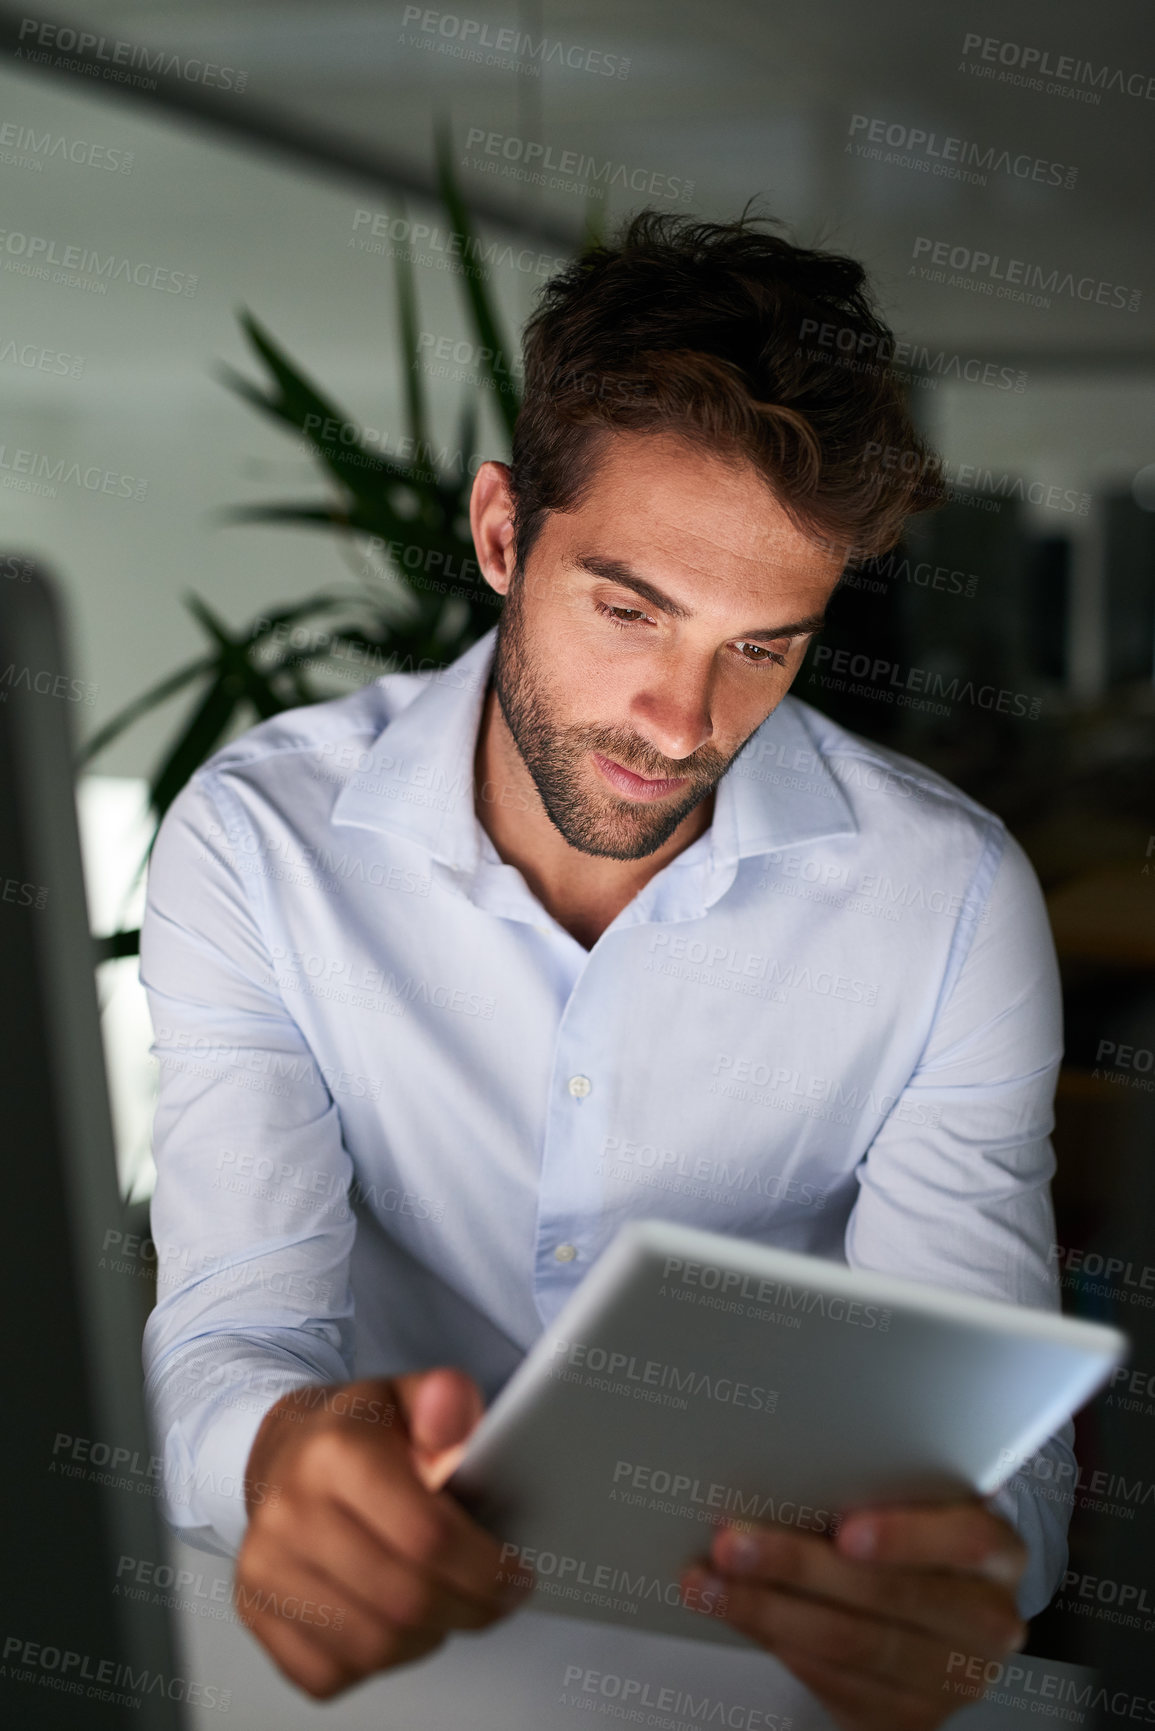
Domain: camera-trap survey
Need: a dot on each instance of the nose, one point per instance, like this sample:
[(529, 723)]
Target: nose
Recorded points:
[(673, 713)]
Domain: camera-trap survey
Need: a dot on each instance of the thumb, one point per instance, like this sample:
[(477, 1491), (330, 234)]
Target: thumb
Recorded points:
[(440, 1407)]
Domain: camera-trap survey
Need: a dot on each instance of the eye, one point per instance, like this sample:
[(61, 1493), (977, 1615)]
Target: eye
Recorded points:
[(621, 616), (758, 655)]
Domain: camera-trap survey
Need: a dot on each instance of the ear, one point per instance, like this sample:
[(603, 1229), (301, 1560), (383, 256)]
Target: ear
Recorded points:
[(491, 521)]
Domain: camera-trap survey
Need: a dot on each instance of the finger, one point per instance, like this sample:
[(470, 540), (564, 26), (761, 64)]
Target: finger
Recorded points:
[(325, 1663), (374, 1582), (436, 1470), (863, 1703), (440, 1408), (964, 1536), (303, 1661), (357, 1636), (378, 1485), (366, 1639), (958, 1607), (814, 1628)]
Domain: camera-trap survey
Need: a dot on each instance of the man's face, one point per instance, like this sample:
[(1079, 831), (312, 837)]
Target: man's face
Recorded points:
[(650, 633)]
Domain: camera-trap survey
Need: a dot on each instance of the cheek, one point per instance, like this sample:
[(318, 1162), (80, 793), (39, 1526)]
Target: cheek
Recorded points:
[(581, 685), (594, 683), (745, 697), (606, 695)]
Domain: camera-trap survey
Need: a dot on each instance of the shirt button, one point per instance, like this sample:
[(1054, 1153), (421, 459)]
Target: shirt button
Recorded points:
[(564, 1253), (579, 1086)]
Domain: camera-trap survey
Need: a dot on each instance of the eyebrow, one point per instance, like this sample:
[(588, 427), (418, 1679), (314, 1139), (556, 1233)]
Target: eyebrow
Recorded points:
[(617, 571)]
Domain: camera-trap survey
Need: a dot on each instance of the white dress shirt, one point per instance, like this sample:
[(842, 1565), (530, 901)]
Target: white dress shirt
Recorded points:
[(402, 1110)]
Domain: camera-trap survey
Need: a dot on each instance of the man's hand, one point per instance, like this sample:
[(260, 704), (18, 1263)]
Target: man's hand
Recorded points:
[(870, 1621), (354, 1560)]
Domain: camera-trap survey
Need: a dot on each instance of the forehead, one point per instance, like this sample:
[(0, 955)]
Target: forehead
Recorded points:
[(682, 514)]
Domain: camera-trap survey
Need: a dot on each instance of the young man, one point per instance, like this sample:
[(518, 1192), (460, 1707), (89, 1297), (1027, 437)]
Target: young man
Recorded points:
[(451, 977)]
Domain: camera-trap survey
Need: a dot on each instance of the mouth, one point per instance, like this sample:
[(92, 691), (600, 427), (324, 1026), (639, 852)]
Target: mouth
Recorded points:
[(637, 787)]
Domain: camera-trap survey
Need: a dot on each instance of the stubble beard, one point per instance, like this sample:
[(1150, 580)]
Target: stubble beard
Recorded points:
[(558, 761)]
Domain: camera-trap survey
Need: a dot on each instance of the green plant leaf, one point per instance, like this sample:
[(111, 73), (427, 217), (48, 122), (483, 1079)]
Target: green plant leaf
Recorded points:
[(235, 664), (324, 601), (467, 436), (114, 945), (594, 227), (205, 730), (419, 505), (356, 465), (319, 516), (156, 694), (302, 407), (407, 324), (492, 345)]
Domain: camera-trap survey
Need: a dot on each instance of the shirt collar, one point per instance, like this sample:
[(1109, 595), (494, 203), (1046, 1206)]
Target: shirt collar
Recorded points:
[(418, 778)]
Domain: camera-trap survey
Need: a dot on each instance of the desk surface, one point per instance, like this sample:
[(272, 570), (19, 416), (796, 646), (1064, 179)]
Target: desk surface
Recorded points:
[(546, 1673)]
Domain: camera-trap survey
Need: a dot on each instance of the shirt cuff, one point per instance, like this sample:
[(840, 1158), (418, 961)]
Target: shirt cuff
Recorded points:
[(1041, 1522), (207, 1438)]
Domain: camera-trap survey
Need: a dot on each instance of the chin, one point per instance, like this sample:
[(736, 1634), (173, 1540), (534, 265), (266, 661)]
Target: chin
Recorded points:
[(620, 832)]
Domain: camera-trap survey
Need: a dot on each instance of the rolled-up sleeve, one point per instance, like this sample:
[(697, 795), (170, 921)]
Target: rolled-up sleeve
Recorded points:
[(955, 1188), (250, 1217)]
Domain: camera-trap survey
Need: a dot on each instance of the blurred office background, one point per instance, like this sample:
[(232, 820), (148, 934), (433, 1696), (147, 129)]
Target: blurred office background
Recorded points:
[(269, 157)]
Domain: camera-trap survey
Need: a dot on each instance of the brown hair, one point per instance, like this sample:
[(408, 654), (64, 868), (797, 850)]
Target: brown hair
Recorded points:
[(739, 341)]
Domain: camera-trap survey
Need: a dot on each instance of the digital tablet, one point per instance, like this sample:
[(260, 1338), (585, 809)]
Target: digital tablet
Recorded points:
[(694, 1378)]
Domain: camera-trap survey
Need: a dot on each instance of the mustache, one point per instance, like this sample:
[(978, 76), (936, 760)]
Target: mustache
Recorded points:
[(705, 764)]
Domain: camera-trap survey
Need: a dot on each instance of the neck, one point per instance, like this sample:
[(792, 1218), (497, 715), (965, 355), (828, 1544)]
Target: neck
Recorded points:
[(583, 892)]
